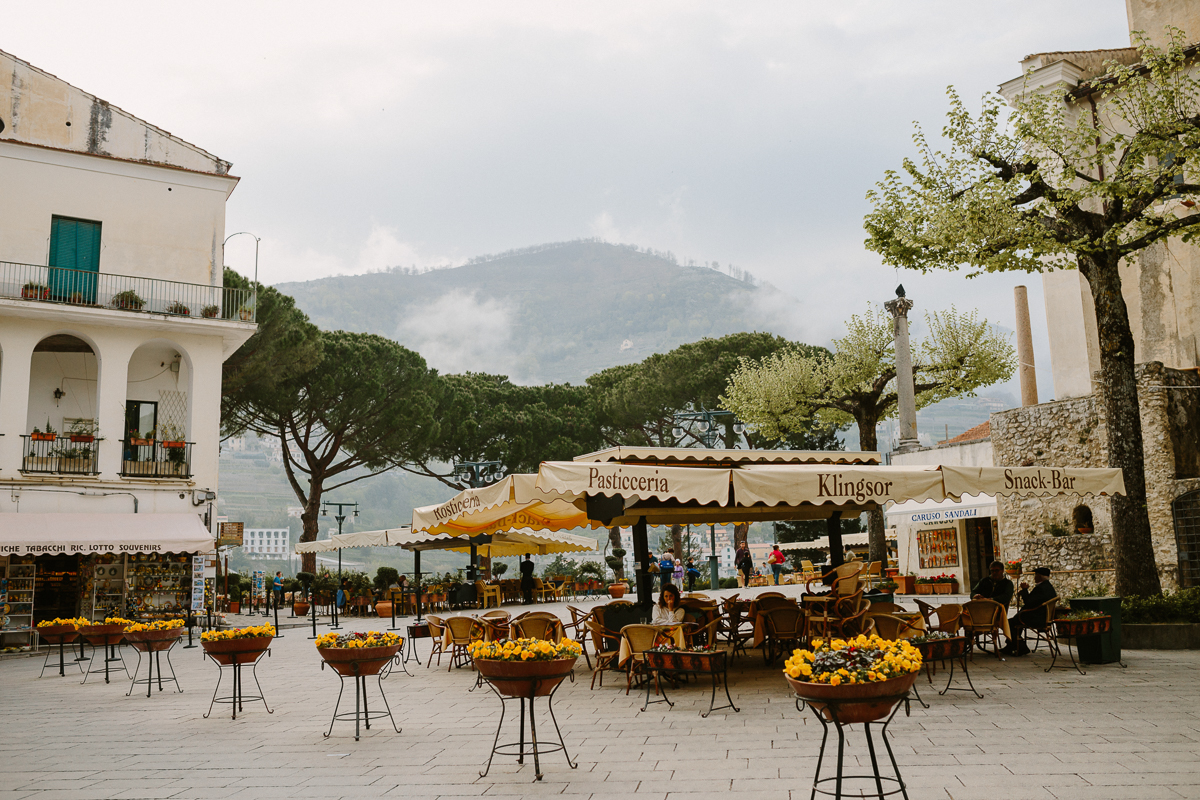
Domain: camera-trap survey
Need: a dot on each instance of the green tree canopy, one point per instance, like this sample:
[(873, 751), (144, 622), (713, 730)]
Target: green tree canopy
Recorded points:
[(366, 406), (787, 391), (1076, 177)]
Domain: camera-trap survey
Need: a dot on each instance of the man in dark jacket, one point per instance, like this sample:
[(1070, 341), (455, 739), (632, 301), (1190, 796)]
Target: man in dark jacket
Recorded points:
[(1032, 614), (994, 587), (527, 578)]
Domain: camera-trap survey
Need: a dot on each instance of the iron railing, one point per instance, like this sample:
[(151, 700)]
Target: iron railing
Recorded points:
[(62, 455), (151, 458), (126, 293)]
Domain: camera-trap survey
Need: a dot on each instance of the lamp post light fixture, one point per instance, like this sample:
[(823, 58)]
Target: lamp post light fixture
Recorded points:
[(477, 474), (340, 516), (709, 425), (256, 241)]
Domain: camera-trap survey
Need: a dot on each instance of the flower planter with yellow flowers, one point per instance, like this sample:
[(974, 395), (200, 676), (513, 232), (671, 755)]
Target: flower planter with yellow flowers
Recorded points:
[(111, 631), (853, 680), (352, 654), (60, 631), (154, 636), (525, 667), (240, 645)]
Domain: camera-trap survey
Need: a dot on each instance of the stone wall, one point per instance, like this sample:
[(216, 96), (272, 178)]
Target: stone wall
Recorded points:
[(1071, 433)]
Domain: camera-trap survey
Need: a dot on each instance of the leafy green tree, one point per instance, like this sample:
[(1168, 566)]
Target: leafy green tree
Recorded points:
[(789, 390), (286, 344), (489, 418), (1084, 178), (367, 406), (810, 530)]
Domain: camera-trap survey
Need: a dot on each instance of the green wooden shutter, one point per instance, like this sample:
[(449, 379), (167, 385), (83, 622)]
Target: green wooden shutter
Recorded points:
[(75, 246)]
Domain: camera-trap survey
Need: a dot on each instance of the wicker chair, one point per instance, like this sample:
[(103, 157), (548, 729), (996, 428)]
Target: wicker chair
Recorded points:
[(537, 627), (577, 629), (1040, 620), (891, 627), (437, 629), (705, 635), (770, 594), (640, 638), (735, 616), (981, 619), (462, 630), (887, 608), (784, 626), (605, 659)]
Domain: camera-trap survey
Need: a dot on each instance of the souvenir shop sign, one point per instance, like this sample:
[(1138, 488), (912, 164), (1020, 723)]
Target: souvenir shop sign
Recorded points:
[(97, 534), (231, 534), (938, 548), (198, 564)]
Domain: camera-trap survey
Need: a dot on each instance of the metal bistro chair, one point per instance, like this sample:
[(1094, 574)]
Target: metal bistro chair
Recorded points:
[(784, 626), (605, 659), (548, 628), (437, 630), (1040, 621), (639, 638), (981, 619), (577, 629), (461, 630)]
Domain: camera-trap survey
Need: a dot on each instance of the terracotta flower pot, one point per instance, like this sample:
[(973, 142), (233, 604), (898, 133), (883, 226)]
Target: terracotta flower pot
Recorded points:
[(235, 606), (1082, 627), (58, 634), (300, 609), (925, 588), (370, 660), (101, 635), (246, 651), (858, 702), (384, 608), (616, 590), (525, 678), (941, 588), (151, 641)]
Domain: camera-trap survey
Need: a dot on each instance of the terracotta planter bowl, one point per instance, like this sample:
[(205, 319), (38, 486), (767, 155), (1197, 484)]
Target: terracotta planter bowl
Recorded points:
[(370, 660), (247, 651), (58, 634), (152, 641), (384, 608), (300, 609), (102, 635), (525, 678), (616, 590), (858, 702), (1082, 627), (942, 649)]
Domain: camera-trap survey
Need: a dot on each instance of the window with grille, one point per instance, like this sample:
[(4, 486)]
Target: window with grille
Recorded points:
[(1186, 510)]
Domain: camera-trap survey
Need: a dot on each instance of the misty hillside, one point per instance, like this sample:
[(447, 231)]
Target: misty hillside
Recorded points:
[(556, 312)]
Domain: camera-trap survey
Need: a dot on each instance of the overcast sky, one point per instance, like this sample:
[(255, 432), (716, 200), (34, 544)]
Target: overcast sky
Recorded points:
[(372, 135)]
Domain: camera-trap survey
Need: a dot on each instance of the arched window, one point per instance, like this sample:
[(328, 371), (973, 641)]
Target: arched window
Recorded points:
[(1081, 519)]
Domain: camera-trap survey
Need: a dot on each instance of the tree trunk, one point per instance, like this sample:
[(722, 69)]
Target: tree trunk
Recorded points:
[(876, 535), (741, 530), (310, 519), (677, 541), (1137, 572)]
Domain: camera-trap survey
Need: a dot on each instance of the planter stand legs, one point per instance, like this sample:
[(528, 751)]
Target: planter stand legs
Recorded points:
[(362, 714), (236, 699), (62, 661), (840, 778), (153, 659), (111, 655), (535, 749), (951, 680)]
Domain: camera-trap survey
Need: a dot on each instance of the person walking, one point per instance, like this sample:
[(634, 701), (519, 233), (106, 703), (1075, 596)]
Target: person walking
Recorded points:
[(666, 568), (744, 564), (776, 560), (692, 574), (277, 585), (527, 579)]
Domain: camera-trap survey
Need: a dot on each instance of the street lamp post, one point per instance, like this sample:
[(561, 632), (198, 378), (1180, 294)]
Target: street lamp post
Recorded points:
[(340, 516), (477, 474), (256, 241), (709, 423)]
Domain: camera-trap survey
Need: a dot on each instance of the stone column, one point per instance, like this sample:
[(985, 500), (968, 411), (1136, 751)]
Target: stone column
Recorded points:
[(905, 390), (1025, 368)]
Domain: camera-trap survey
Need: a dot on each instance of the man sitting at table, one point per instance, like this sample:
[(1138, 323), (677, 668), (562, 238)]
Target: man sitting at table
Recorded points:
[(995, 586), (1031, 614)]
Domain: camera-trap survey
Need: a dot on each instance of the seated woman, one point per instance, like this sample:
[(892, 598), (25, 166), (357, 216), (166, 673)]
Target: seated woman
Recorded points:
[(668, 611)]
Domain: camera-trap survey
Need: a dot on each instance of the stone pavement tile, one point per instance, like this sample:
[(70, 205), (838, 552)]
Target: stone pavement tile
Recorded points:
[(205, 793), (1117, 793), (774, 793), (684, 785), (1024, 792), (1047, 780), (547, 786)]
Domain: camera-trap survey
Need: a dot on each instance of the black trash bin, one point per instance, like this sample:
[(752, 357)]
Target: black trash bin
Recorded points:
[(1100, 648)]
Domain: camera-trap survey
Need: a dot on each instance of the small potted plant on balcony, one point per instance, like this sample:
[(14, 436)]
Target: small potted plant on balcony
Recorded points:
[(81, 432), (141, 440), (49, 435), (172, 437), (35, 291), (210, 312), (179, 308), (76, 299), (246, 313), (128, 300)]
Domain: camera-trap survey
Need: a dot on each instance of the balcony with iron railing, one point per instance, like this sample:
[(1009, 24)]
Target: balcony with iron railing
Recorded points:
[(152, 458), (125, 293), (47, 453)]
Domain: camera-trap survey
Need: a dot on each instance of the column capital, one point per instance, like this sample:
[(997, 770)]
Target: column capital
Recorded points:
[(899, 307)]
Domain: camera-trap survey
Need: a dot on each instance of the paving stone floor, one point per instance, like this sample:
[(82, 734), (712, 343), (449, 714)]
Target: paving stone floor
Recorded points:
[(1114, 733)]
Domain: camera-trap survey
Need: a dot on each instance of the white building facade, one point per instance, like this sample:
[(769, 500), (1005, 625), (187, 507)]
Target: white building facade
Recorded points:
[(267, 544), (114, 325)]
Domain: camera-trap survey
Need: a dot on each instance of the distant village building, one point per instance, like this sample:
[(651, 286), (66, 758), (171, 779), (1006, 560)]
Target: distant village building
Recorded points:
[(267, 544)]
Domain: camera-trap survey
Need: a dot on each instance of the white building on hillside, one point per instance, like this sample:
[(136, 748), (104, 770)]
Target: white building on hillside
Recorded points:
[(113, 330), (267, 544)]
